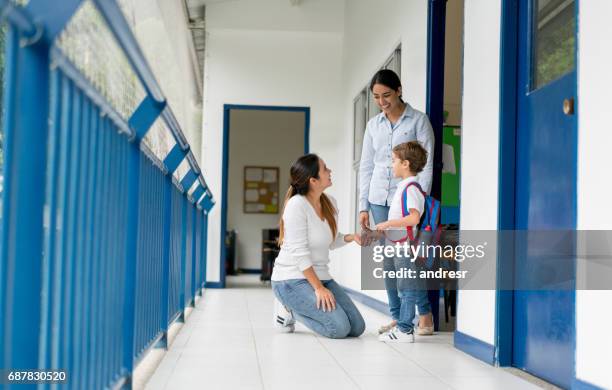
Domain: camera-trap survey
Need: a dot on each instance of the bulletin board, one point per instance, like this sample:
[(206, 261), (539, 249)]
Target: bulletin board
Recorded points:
[(260, 190)]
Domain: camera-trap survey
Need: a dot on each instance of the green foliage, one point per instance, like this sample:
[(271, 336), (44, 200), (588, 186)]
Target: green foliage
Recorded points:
[(555, 50)]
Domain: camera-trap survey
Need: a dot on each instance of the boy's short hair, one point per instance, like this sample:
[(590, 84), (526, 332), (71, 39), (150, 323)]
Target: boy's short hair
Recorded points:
[(412, 152)]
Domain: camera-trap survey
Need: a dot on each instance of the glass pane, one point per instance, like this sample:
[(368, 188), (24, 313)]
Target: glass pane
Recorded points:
[(373, 109), (554, 40), (360, 122), (394, 62)]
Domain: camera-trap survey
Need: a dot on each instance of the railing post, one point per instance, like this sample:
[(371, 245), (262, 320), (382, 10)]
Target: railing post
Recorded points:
[(140, 122), (26, 130), (194, 238), (165, 317), (183, 255), (204, 248)]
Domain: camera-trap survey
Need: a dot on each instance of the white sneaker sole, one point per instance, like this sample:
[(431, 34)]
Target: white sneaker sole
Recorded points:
[(392, 338)]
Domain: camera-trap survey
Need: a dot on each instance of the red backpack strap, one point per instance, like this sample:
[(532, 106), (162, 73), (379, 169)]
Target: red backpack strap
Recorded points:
[(417, 185)]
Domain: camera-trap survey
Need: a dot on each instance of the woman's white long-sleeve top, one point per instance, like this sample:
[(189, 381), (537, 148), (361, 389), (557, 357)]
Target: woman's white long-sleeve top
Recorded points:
[(307, 242)]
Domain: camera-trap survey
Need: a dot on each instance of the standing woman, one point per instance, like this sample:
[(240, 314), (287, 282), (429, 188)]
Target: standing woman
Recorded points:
[(301, 280), (396, 124)]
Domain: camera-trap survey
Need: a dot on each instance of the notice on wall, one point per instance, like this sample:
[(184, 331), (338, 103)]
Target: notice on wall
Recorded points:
[(260, 190)]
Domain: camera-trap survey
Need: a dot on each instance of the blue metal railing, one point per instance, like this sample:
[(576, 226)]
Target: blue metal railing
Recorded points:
[(102, 247)]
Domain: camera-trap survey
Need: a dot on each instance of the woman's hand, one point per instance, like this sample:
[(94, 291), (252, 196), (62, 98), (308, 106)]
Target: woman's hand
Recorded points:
[(364, 219), (325, 299), (348, 238), (383, 226)]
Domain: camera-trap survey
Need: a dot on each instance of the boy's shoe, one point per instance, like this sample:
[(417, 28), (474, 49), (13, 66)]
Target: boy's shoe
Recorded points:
[(397, 336), (387, 328), (284, 321), (425, 331)]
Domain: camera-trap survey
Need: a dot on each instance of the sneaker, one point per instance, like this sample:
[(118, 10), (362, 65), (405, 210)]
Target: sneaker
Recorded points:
[(387, 328), (425, 331), (397, 336), (284, 321)]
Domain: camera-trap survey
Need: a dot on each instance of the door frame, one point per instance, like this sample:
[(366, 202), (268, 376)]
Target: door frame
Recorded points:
[(225, 166), (504, 305)]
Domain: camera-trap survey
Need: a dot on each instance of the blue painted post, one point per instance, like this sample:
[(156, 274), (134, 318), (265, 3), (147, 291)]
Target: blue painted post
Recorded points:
[(163, 343), (204, 246), (197, 193), (188, 180), (194, 238), (25, 145), (140, 122), (183, 255), (174, 158), (435, 106)]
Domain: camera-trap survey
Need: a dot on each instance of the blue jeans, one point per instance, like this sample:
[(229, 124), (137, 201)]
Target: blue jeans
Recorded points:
[(411, 292), (299, 297), (381, 214)]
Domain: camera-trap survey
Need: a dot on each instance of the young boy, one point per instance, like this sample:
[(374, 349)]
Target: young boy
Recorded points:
[(408, 160)]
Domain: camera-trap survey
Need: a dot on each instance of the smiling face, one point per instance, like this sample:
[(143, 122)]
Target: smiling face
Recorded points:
[(386, 98), (324, 181)]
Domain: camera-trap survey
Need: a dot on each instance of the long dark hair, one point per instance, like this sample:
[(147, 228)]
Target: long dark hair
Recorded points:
[(388, 78), (305, 168)]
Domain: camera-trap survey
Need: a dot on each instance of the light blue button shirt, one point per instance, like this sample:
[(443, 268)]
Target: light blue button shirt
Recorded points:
[(376, 182)]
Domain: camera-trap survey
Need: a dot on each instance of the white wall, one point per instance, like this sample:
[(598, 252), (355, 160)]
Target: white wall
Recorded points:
[(368, 42), (479, 150), (255, 137), (593, 315), (271, 53)]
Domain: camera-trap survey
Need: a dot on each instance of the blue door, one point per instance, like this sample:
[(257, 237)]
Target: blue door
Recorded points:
[(546, 149)]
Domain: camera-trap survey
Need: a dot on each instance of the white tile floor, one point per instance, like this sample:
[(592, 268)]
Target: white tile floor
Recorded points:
[(228, 343)]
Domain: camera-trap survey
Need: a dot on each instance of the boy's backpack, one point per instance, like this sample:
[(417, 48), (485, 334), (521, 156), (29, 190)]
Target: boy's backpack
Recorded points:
[(428, 231)]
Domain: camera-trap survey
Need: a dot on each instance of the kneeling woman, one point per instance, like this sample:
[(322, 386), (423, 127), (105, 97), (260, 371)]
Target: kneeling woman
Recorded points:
[(301, 279)]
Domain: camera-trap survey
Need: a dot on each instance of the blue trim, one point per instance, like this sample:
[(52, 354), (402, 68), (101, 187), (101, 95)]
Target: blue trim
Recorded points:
[(306, 130), (436, 30), (474, 347), (251, 271), (504, 299), (53, 17), (450, 214), (225, 164), (17, 17), (579, 384), (174, 158), (206, 202), (367, 300), (509, 79), (265, 108), (188, 180), (144, 116), (224, 185), (199, 191), (214, 285)]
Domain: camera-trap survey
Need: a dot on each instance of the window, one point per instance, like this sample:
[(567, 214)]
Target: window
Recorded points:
[(365, 108)]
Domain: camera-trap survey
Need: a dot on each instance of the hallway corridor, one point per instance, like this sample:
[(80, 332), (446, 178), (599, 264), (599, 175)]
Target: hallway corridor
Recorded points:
[(228, 343)]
